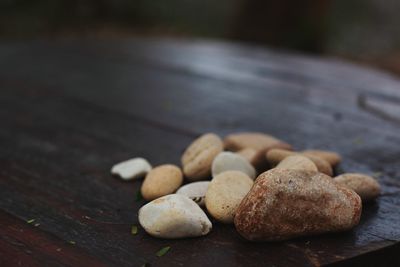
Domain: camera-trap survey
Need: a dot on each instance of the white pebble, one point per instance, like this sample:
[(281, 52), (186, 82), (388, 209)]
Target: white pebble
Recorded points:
[(195, 191), (228, 161), (132, 168), (174, 216)]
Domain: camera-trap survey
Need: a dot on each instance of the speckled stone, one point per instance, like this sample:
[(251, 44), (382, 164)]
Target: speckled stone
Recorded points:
[(285, 204), (174, 216), (365, 186)]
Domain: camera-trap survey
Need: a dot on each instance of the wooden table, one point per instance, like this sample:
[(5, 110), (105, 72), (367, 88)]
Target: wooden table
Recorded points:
[(69, 110)]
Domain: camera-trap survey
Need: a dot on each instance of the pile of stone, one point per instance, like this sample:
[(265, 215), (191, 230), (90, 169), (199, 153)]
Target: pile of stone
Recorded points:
[(294, 194)]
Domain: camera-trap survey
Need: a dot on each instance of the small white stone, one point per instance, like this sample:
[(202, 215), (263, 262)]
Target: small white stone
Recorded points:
[(174, 216), (132, 168), (195, 191), (228, 161)]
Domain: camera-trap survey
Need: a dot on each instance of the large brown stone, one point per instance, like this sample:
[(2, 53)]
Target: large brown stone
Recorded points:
[(284, 204)]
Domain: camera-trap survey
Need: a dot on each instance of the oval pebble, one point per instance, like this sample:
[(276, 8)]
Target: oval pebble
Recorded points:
[(196, 191), (174, 216), (256, 158), (332, 157), (274, 156), (198, 157), (161, 181), (225, 193), (365, 186), (322, 165), (228, 161), (132, 168), (297, 162)]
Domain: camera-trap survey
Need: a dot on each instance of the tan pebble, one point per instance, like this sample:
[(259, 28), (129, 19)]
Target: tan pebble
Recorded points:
[(258, 141), (332, 157), (225, 193), (161, 181), (256, 158), (322, 165), (365, 186), (276, 155), (198, 157), (284, 204), (297, 162)]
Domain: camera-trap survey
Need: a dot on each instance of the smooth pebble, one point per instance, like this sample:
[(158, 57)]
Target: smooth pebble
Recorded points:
[(196, 191), (228, 161), (174, 216), (297, 162), (332, 157), (285, 204), (199, 155), (161, 181), (258, 141), (132, 168), (365, 186), (225, 193)]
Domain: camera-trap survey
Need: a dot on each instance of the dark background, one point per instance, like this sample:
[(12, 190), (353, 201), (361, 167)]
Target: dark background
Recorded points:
[(365, 31)]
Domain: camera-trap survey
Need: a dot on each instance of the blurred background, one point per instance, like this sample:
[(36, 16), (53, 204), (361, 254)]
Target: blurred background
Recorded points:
[(365, 31)]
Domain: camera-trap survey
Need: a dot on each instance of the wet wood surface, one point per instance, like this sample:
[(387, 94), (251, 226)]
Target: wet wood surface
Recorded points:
[(69, 110)]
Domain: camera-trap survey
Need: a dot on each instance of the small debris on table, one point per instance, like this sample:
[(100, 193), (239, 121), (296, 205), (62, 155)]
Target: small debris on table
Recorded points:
[(134, 230), (163, 251)]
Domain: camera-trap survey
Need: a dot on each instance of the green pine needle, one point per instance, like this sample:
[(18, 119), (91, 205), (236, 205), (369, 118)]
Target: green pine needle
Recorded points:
[(163, 251), (134, 230)]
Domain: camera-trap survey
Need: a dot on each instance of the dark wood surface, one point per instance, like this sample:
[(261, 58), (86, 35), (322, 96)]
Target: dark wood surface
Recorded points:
[(69, 110)]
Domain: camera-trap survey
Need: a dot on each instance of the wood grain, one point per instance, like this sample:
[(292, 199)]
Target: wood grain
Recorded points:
[(71, 109)]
